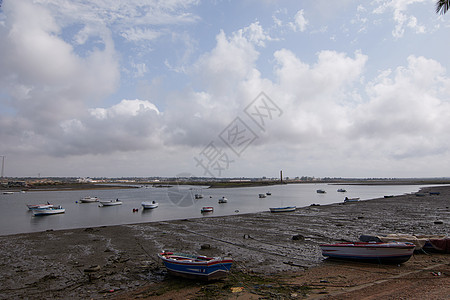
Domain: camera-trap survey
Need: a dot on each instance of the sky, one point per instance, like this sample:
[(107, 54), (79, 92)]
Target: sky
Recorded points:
[(224, 88)]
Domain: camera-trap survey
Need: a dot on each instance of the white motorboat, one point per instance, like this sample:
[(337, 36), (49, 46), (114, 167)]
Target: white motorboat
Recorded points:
[(148, 204), (89, 199), (223, 200), (48, 211), (392, 252), (110, 203), (283, 209), (262, 195)]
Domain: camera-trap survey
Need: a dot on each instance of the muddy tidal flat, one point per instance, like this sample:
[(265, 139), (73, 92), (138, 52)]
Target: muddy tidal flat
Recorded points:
[(276, 255)]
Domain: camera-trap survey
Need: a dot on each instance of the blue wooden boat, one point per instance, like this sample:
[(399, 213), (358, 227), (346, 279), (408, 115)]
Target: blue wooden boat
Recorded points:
[(196, 266)]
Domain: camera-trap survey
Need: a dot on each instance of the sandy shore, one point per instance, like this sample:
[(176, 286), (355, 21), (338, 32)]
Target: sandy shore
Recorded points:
[(269, 263)]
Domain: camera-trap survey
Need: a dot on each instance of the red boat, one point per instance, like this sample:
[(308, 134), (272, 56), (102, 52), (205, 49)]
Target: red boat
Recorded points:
[(207, 209)]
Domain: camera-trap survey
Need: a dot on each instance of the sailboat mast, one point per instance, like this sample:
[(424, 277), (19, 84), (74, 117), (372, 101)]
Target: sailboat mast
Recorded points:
[(3, 165)]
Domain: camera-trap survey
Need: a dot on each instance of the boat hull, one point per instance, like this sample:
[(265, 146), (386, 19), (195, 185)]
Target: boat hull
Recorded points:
[(38, 206), (282, 209), (351, 199), (207, 209), (89, 199), (395, 252), (110, 203), (149, 205), (48, 211), (196, 267)]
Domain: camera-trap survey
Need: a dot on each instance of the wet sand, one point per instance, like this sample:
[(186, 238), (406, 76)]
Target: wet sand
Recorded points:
[(119, 262)]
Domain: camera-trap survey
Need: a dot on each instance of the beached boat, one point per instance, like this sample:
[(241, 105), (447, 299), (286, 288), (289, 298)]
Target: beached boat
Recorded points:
[(110, 203), (342, 190), (196, 266), (262, 195), (356, 199), (148, 204), (223, 200), (283, 209), (432, 243), (321, 191), (207, 209), (392, 252), (36, 206), (48, 211), (89, 199)]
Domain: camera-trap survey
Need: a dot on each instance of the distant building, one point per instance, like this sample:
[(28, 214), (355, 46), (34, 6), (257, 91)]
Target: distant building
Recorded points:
[(84, 180)]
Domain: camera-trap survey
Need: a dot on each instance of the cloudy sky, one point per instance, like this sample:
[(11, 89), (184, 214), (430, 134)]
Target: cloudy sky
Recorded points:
[(224, 88)]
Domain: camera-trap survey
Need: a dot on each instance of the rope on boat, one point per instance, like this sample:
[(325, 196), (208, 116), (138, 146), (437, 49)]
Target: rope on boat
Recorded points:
[(246, 247)]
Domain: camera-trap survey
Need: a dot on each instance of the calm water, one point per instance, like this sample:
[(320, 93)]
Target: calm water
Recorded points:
[(174, 203)]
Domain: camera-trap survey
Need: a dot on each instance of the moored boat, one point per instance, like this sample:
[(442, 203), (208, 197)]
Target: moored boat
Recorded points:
[(342, 190), (356, 199), (321, 191), (282, 209), (392, 252), (207, 209), (262, 195), (198, 196), (37, 206), (223, 200), (8, 193), (110, 203), (148, 204), (196, 266), (48, 211), (89, 199)]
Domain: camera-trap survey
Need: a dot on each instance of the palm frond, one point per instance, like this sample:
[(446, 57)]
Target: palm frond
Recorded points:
[(442, 6)]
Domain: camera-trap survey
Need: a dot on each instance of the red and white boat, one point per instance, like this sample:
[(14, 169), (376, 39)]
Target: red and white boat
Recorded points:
[(392, 252), (206, 209)]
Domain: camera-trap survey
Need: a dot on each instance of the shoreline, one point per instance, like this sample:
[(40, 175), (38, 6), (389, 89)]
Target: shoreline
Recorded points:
[(53, 263), (215, 184)]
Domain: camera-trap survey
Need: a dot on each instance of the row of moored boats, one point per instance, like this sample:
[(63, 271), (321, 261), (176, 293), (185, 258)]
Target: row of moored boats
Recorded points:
[(51, 209)]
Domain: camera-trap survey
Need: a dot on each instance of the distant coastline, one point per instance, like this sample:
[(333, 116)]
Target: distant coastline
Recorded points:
[(58, 186)]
